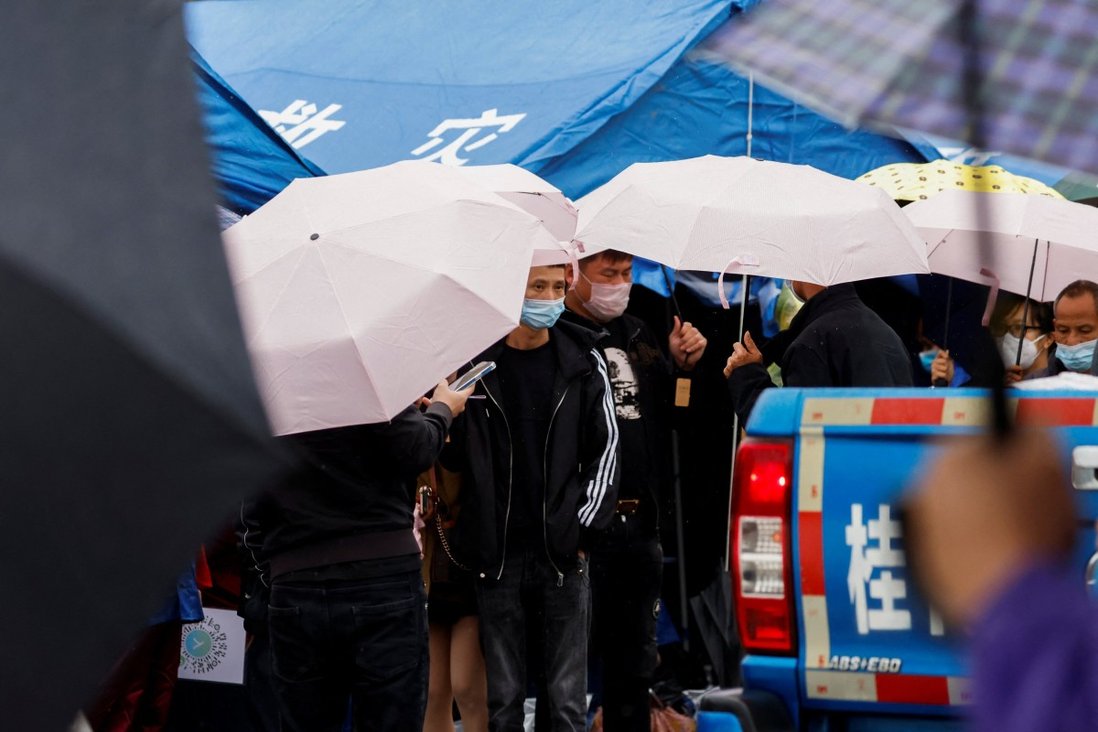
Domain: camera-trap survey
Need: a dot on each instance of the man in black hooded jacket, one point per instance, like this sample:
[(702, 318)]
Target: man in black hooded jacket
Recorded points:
[(539, 463), (835, 340)]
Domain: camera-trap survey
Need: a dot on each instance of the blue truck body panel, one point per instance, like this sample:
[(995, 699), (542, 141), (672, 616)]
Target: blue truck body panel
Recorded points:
[(868, 647)]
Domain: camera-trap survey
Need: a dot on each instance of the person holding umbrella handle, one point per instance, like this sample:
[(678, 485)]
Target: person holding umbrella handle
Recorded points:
[(834, 340), (1023, 336)]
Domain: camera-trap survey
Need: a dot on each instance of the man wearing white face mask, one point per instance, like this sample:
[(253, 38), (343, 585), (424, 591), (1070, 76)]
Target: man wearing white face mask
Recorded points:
[(539, 465), (627, 560), (1075, 330)]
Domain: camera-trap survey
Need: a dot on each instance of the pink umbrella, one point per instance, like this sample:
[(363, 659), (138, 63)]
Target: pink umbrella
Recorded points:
[(530, 193)]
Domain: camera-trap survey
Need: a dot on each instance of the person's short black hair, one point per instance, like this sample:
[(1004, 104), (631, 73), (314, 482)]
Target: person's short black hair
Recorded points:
[(1041, 312), (612, 256), (1079, 288)]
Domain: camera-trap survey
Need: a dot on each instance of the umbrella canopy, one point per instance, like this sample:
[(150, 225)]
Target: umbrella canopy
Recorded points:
[(752, 217), (360, 291), (919, 181), (894, 62), (1039, 244), (530, 193), (132, 426)]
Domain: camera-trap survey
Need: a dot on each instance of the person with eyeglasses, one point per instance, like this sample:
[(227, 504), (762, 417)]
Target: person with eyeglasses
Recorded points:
[(1013, 323)]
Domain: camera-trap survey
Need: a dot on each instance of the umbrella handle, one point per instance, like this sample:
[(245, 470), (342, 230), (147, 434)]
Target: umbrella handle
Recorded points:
[(992, 296), (747, 260)]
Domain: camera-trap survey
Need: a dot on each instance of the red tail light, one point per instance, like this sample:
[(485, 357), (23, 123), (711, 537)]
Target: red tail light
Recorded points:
[(762, 574)]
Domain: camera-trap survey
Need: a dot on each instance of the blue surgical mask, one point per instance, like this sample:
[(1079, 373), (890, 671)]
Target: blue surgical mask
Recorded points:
[(1078, 357), (541, 314), (926, 358)]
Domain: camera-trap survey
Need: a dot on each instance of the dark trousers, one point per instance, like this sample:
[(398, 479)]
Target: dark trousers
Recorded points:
[(359, 640), (626, 572), (259, 687), (531, 594)]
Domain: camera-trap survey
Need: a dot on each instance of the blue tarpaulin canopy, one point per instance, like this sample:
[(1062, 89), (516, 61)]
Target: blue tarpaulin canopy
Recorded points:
[(356, 84)]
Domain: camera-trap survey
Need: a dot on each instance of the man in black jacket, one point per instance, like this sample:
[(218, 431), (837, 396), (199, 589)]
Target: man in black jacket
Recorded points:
[(627, 559), (346, 613), (539, 459), (835, 340)]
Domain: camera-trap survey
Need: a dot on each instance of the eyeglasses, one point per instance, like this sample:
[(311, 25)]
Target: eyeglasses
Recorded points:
[(1015, 329)]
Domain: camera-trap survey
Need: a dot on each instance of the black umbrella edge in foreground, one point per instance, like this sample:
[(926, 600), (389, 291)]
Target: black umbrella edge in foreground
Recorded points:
[(111, 475)]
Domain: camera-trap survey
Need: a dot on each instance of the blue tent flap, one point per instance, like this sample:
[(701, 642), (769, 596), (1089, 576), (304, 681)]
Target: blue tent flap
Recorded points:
[(250, 161)]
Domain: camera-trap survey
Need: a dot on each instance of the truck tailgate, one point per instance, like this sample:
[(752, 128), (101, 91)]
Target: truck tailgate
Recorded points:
[(865, 636)]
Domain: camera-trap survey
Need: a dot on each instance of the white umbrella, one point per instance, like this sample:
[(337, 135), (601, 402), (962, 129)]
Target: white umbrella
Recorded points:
[(530, 193), (1039, 244), (358, 292), (751, 217)]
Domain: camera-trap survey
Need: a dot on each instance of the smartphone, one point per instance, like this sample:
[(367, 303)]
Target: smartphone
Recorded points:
[(473, 375)]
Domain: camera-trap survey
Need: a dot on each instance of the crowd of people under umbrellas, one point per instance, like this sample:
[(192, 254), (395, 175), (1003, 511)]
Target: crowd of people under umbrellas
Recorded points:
[(498, 541), (488, 541)]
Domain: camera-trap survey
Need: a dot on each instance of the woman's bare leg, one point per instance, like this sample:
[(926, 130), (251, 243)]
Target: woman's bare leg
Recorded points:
[(440, 697), (467, 678)]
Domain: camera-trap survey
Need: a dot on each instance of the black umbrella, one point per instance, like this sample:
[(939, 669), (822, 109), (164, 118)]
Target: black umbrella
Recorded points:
[(714, 616), (129, 422)]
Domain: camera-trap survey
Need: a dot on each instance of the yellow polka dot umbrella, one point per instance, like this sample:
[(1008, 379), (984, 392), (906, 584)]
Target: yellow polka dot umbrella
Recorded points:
[(920, 181)]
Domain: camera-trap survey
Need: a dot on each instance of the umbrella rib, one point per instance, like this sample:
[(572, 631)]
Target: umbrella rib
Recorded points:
[(941, 241), (285, 286), (347, 324), (411, 263), (273, 262), (492, 305)]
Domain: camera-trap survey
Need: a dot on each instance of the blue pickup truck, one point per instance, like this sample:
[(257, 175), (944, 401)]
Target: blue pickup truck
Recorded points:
[(835, 634)]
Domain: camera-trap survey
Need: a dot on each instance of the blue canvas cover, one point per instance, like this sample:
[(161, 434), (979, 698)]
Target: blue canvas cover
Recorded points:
[(356, 84)]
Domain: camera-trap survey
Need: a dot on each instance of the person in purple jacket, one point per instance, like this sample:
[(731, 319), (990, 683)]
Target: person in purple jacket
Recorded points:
[(990, 531)]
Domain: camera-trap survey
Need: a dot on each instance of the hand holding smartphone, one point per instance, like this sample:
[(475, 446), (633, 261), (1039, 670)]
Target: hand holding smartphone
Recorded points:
[(473, 375)]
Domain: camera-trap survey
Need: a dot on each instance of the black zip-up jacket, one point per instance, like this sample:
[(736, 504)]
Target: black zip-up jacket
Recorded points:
[(655, 385), (356, 480), (835, 340), (580, 468)]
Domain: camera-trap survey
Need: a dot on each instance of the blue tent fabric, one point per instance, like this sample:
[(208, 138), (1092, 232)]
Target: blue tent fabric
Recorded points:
[(360, 83), (700, 107), (251, 163)]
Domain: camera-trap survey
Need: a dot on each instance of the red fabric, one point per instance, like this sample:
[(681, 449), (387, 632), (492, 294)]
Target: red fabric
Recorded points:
[(202, 570), (138, 693)]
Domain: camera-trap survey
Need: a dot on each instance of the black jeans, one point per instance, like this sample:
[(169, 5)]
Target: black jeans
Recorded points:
[(259, 680), (530, 593), (359, 640), (626, 572)]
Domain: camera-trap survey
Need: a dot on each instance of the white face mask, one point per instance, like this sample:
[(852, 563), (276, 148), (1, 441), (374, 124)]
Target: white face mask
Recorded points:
[(607, 301), (1008, 350)]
